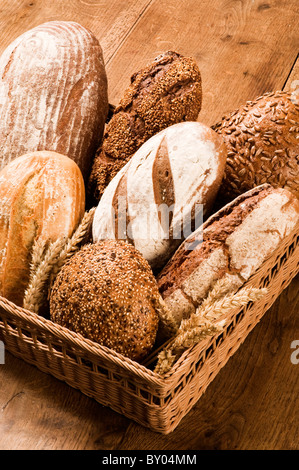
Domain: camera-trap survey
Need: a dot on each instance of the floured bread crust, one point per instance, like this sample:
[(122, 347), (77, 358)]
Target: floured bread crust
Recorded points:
[(155, 200), (235, 242), (53, 94)]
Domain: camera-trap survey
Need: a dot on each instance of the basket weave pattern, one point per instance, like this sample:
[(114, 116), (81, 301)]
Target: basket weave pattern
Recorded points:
[(131, 388)]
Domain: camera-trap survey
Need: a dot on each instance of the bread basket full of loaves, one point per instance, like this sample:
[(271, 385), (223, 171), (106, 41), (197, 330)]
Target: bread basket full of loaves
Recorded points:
[(139, 247)]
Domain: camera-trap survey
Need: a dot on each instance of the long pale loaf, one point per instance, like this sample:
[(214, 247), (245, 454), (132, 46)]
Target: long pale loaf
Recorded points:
[(53, 94)]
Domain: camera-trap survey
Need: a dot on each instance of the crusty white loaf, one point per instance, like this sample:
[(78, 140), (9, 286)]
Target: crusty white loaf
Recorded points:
[(232, 243), (42, 196), (53, 93), (155, 201)]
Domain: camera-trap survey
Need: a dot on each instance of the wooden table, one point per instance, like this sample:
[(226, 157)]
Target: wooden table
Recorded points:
[(244, 48)]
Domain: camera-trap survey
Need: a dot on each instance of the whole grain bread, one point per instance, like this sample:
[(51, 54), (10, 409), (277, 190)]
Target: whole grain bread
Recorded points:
[(232, 243), (163, 192), (42, 197), (53, 94), (108, 293), (165, 92), (262, 144)]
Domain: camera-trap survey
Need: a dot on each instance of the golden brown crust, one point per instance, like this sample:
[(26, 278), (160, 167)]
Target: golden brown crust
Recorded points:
[(214, 235), (108, 293), (262, 145), (165, 92), (42, 196)]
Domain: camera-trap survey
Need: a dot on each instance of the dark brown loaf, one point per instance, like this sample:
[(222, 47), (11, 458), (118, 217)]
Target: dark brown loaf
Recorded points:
[(232, 244), (53, 92), (262, 144), (108, 293), (165, 92)]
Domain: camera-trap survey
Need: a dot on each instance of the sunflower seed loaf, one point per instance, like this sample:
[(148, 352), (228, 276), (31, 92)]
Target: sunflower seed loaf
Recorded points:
[(230, 246), (165, 92), (262, 139)]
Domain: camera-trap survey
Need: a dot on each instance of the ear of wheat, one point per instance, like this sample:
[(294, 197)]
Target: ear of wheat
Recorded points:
[(209, 319), (47, 260)]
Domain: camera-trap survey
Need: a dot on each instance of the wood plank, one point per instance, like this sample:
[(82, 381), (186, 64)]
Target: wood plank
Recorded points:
[(243, 49), (109, 21)]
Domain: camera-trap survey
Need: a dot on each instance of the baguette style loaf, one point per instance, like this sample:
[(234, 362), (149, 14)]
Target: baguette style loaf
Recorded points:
[(165, 92), (262, 144), (161, 194), (232, 243), (53, 94), (42, 197)]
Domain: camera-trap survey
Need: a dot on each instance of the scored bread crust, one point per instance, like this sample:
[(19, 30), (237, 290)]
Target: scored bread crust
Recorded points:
[(42, 196), (165, 92), (160, 193), (232, 243), (262, 144), (53, 94)]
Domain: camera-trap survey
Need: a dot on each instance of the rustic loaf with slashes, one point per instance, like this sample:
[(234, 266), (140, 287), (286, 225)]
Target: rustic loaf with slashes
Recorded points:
[(53, 94), (165, 92), (42, 197), (232, 243), (262, 144), (155, 201)]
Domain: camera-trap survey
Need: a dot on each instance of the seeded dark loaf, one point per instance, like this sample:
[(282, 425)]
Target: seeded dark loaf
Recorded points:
[(165, 92), (262, 144), (108, 293), (232, 243)]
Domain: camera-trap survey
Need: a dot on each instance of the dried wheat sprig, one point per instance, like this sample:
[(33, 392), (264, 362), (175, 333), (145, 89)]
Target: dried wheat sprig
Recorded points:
[(205, 322), (34, 294), (72, 244), (38, 253), (169, 324)]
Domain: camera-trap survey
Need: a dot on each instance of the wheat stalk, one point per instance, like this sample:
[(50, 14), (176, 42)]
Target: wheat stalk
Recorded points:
[(72, 244), (34, 294), (47, 260), (209, 319)]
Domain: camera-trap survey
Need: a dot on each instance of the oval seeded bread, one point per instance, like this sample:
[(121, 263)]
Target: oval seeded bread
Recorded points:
[(233, 243), (262, 144), (165, 92)]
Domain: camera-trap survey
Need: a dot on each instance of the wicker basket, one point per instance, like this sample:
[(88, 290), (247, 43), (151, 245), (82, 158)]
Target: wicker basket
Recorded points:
[(131, 388)]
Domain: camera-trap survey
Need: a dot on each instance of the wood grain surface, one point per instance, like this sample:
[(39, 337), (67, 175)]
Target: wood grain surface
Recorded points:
[(243, 48)]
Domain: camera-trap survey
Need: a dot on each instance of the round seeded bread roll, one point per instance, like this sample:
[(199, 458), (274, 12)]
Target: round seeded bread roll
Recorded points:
[(262, 144), (108, 293)]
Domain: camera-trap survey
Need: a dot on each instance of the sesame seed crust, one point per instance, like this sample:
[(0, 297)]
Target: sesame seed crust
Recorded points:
[(108, 293), (165, 92), (262, 139)]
